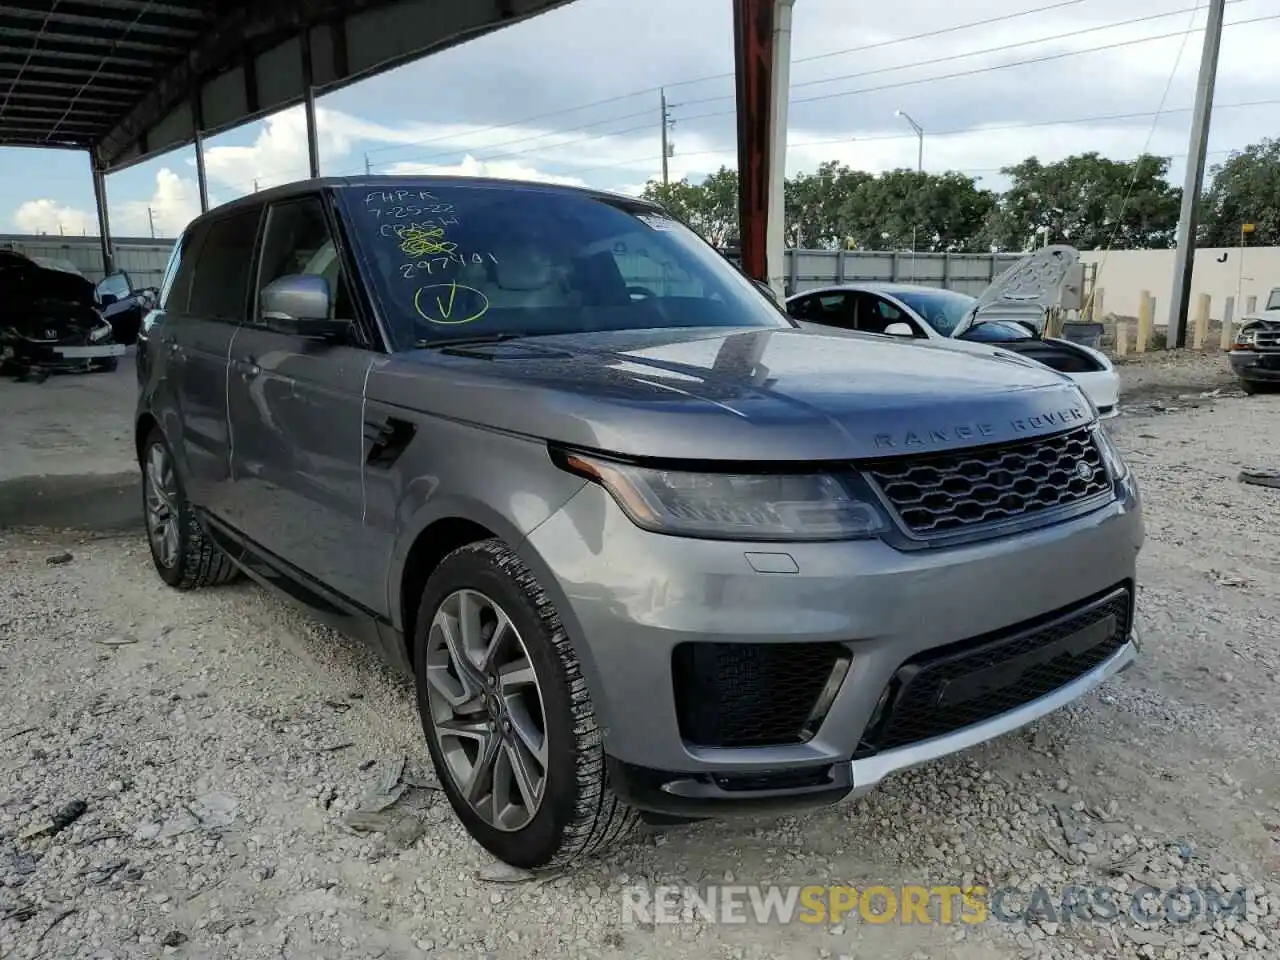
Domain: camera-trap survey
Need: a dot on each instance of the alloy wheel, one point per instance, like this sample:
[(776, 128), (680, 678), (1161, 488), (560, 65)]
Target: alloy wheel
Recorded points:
[(487, 710), (161, 487)]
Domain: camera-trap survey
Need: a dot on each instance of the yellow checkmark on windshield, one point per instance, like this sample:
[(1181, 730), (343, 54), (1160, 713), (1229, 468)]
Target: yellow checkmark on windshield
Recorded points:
[(446, 310)]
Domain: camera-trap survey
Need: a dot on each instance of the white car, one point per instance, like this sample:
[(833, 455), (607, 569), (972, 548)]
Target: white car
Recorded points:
[(1009, 315)]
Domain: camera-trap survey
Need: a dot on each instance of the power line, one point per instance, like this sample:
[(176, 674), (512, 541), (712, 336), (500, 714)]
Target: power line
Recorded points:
[(890, 86), (978, 53), (968, 25), (994, 67), (961, 131)]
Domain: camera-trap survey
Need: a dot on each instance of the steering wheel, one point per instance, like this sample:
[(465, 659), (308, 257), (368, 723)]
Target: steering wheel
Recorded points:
[(640, 293)]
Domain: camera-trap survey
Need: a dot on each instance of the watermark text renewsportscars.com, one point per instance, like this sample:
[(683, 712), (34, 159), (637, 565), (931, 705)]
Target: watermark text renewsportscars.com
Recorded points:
[(912, 904)]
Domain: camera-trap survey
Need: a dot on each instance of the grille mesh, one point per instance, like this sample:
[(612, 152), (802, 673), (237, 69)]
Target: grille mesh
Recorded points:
[(918, 707), (749, 694), (943, 493)]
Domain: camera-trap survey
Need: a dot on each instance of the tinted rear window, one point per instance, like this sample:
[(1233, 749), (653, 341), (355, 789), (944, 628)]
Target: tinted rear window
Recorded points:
[(220, 286), (460, 260)]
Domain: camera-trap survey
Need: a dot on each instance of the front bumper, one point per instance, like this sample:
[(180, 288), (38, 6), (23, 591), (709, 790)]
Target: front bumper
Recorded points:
[(52, 354), (1255, 365), (631, 600)]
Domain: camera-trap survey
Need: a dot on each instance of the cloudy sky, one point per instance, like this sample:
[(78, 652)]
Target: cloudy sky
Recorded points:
[(573, 96)]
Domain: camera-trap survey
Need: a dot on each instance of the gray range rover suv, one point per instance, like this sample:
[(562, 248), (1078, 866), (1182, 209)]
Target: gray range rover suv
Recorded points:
[(647, 548)]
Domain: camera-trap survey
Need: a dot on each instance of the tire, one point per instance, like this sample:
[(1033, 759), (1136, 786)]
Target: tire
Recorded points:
[(1252, 387), (109, 365), (189, 559), (576, 814)]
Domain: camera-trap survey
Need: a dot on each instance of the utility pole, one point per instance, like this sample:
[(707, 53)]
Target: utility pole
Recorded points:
[(366, 164), (1185, 252), (668, 148), (152, 221), (920, 171)]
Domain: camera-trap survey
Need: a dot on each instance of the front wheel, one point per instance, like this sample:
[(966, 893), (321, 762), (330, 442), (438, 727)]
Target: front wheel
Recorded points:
[(507, 716), (183, 554), (1252, 387)]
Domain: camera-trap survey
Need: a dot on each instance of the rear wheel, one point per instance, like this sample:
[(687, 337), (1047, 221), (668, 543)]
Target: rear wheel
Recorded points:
[(507, 716), (183, 554)]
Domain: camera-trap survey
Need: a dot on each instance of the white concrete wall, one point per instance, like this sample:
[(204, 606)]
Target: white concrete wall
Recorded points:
[(1124, 274)]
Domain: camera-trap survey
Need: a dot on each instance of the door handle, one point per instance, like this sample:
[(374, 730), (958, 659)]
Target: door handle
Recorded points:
[(246, 368)]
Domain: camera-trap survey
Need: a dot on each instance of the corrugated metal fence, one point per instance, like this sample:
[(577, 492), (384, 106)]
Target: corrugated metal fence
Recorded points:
[(143, 259), (965, 272)]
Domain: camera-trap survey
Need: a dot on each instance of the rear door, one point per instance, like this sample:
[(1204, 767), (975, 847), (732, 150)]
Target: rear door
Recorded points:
[(202, 315), (296, 408)]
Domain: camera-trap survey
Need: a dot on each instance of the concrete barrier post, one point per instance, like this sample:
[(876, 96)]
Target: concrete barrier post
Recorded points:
[(1122, 337), (1228, 332), (1201, 331), (1146, 311)]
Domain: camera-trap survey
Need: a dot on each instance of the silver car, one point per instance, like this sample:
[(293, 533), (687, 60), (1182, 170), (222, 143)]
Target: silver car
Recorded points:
[(649, 550)]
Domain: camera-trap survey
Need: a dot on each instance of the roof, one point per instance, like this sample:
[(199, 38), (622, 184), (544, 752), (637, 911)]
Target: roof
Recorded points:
[(386, 182), (130, 79)]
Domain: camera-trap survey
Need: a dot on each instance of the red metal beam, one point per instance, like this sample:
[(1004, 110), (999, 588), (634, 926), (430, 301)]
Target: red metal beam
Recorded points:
[(753, 65)]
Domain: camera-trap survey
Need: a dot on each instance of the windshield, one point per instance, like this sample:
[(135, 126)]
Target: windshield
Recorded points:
[(941, 309), (459, 260), (1273, 301)]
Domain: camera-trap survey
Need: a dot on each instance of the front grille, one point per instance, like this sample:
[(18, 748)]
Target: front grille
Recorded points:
[(751, 694), (948, 493), (952, 687), (1268, 339)]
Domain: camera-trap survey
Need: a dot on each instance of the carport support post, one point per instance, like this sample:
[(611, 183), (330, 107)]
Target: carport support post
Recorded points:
[(202, 180), (104, 222), (309, 105), (762, 53)]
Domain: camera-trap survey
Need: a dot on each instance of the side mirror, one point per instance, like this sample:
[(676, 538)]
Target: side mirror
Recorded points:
[(299, 304), (899, 330)]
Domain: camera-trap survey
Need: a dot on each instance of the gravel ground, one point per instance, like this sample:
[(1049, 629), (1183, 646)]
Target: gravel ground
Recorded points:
[(232, 756)]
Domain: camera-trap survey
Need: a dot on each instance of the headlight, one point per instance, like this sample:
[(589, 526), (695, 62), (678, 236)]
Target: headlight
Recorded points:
[(1110, 455), (100, 333), (736, 506), (1247, 338)]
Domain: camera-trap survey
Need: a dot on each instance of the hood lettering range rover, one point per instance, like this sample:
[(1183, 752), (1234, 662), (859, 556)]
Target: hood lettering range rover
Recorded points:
[(647, 547)]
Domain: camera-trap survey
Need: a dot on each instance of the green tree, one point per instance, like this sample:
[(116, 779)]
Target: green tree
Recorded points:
[(904, 209), (1245, 189), (815, 207), (1088, 201), (710, 207)]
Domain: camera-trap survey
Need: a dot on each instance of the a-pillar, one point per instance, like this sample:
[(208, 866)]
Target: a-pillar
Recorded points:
[(762, 58), (104, 222)]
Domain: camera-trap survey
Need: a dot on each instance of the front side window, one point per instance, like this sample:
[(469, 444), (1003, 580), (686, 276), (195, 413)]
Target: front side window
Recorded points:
[(297, 241), (459, 260), (220, 286)]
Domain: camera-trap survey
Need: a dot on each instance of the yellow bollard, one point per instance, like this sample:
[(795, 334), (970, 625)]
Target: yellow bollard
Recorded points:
[(1146, 310), (1122, 337), (1201, 331)]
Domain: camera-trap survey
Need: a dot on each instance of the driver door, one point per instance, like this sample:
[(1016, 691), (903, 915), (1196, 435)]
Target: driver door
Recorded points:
[(297, 428)]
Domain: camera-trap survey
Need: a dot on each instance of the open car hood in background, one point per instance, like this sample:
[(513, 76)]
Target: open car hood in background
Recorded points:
[(1026, 290), (21, 287)]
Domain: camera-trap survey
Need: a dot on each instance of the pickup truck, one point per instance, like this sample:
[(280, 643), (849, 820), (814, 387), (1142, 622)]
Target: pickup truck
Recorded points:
[(1255, 355)]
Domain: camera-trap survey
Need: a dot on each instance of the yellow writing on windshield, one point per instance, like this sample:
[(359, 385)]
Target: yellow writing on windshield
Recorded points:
[(422, 241), (450, 303)]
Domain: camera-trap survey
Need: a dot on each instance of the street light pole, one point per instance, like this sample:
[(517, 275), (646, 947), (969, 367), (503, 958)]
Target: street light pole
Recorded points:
[(919, 170)]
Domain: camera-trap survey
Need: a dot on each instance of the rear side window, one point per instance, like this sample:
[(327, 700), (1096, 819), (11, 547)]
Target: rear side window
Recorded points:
[(223, 267), (175, 288)]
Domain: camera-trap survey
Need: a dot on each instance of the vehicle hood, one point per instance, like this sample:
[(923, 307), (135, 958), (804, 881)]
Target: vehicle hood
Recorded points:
[(1026, 290), (35, 300), (736, 395)]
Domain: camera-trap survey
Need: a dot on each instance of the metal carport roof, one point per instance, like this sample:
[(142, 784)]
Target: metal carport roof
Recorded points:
[(129, 79)]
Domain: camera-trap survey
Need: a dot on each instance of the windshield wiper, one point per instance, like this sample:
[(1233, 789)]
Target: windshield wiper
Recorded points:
[(479, 338)]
